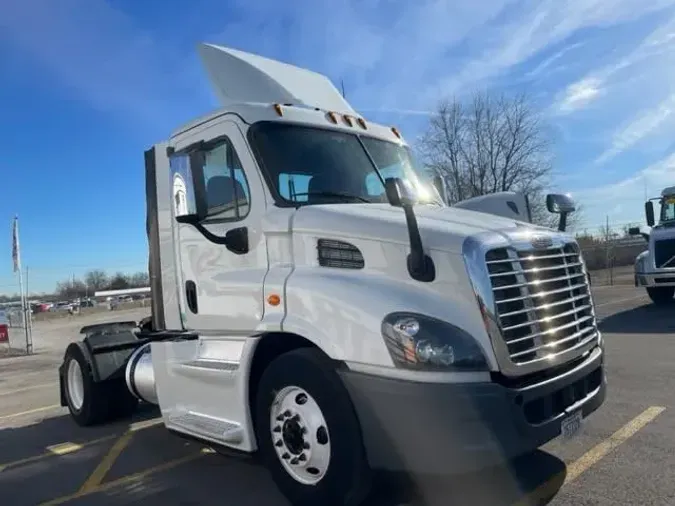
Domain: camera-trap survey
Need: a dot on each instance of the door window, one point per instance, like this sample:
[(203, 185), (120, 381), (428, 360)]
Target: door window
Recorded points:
[(227, 191)]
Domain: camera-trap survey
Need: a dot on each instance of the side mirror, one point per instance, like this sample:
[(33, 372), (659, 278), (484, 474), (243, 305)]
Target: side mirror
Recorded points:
[(649, 212), (398, 193), (636, 231), (559, 203)]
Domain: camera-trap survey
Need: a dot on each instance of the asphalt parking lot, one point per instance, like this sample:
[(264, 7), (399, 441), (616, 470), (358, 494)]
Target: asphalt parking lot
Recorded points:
[(625, 453)]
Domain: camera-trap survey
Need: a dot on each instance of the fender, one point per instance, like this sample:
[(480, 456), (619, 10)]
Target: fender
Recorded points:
[(342, 312)]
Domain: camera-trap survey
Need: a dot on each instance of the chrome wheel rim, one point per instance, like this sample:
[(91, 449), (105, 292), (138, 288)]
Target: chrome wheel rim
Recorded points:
[(300, 435), (75, 385)]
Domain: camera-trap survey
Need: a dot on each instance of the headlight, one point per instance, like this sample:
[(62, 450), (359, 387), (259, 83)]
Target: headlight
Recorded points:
[(641, 262), (423, 343)]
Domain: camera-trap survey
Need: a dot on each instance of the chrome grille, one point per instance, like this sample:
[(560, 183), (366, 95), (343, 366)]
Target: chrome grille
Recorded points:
[(543, 302)]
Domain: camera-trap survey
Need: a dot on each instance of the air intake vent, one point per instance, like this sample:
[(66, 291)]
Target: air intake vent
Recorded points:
[(339, 254)]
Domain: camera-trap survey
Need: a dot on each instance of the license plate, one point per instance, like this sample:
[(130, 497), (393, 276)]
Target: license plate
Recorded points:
[(570, 426)]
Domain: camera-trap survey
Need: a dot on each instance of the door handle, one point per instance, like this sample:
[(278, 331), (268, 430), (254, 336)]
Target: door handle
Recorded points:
[(191, 296)]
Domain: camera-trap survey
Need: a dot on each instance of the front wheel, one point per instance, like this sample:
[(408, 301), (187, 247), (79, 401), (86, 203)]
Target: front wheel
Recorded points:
[(308, 433), (661, 295)]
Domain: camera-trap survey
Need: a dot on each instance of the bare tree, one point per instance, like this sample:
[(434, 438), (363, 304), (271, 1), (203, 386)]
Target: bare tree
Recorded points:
[(71, 289), (96, 280), (139, 280), (119, 281), (491, 144)]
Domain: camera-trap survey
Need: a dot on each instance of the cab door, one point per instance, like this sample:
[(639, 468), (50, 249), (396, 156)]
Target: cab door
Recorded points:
[(223, 258), (223, 263)]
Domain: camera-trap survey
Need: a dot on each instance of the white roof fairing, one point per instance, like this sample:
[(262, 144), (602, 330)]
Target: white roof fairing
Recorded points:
[(239, 77), (668, 192)]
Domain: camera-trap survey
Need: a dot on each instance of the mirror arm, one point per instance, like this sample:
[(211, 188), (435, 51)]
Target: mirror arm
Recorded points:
[(420, 265), (188, 219), (562, 225)]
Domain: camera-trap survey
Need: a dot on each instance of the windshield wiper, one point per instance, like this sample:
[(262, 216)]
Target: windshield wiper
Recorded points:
[(344, 196)]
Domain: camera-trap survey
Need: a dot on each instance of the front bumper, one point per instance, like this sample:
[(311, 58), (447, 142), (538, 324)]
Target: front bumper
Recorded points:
[(651, 279), (441, 428)]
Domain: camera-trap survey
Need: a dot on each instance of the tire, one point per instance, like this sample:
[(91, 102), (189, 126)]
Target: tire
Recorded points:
[(92, 403), (306, 379), (661, 295)]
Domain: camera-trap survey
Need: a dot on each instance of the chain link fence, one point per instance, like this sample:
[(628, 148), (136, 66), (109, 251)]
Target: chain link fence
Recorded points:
[(610, 260)]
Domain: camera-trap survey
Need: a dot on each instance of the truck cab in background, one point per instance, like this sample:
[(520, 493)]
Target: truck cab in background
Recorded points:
[(655, 267), (315, 302)]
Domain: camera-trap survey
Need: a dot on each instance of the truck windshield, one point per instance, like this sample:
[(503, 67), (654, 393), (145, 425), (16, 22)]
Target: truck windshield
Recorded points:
[(668, 209), (306, 165)]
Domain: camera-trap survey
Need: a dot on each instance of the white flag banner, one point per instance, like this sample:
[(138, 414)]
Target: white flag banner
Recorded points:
[(16, 253)]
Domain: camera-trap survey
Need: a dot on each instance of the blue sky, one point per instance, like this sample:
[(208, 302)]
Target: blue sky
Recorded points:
[(87, 85)]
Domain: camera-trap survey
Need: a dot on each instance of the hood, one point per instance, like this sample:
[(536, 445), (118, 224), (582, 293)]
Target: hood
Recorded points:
[(441, 228)]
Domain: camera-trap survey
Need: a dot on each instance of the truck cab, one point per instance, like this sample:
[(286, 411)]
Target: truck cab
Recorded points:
[(655, 267), (316, 302)]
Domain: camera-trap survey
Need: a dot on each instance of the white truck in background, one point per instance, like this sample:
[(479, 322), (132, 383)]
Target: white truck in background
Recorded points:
[(315, 302), (655, 268)]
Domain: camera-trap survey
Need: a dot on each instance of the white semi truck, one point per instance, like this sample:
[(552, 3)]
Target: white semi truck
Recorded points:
[(314, 302), (655, 268)]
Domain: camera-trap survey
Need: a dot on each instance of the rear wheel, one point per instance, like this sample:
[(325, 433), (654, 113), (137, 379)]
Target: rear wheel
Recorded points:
[(89, 402), (661, 295), (308, 432)]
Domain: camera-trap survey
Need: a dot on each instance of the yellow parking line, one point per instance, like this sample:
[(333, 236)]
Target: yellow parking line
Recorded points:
[(129, 478), (70, 447), (65, 448), (145, 424), (104, 466), (55, 450), (113, 454), (596, 453), (30, 412), (591, 457)]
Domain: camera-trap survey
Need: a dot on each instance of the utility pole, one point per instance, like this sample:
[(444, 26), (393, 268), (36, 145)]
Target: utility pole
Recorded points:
[(342, 86), (29, 313)]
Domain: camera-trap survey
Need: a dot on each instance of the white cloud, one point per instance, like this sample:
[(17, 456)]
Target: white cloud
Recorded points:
[(645, 123), (546, 64), (580, 93), (655, 47)]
